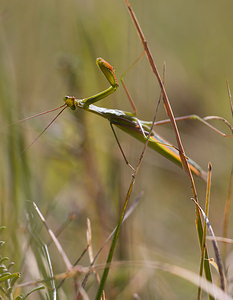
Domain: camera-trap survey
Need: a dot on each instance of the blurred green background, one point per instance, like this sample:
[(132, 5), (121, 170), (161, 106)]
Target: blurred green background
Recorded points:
[(48, 50)]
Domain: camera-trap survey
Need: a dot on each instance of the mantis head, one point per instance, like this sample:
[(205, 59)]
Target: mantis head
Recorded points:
[(70, 101)]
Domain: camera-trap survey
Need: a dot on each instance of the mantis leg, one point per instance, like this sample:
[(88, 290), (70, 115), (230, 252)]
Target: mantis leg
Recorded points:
[(202, 120), (119, 145), (125, 88)]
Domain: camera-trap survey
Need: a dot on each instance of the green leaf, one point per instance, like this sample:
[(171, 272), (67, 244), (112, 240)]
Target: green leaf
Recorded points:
[(7, 276), (29, 293)]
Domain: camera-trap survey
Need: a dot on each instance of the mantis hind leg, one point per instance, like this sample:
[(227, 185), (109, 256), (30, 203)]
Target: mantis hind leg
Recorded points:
[(119, 145), (125, 88), (203, 120)]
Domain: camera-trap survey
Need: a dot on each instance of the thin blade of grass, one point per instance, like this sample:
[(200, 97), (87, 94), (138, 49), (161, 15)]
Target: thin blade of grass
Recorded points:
[(55, 240), (229, 94), (226, 214), (40, 252), (30, 292), (117, 230), (114, 241), (91, 256), (53, 291), (63, 226), (204, 229), (221, 239), (215, 246), (75, 264), (126, 216)]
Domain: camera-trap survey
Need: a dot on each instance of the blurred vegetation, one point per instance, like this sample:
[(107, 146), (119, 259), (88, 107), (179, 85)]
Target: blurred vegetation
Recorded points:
[(48, 50)]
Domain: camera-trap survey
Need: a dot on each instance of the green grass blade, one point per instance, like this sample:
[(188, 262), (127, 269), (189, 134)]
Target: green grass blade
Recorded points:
[(113, 244)]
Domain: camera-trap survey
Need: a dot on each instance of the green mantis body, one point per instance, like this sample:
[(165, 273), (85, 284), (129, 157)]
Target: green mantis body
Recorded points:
[(128, 122)]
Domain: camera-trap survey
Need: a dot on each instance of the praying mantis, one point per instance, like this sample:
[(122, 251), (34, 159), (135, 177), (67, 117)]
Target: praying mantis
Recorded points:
[(129, 123)]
